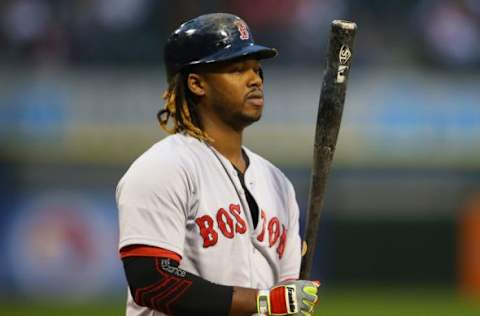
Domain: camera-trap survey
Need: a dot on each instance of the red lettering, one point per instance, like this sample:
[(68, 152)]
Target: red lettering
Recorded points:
[(225, 220), (208, 233), (283, 241), (242, 28), (264, 224), (241, 226), (273, 231)]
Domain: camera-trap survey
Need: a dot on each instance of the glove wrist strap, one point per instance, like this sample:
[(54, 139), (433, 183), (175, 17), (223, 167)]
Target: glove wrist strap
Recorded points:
[(263, 302)]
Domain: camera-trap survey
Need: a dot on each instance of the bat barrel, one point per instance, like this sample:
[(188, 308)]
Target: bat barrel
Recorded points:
[(332, 99)]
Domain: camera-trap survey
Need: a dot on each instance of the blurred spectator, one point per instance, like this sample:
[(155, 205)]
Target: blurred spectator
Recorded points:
[(449, 32), (310, 27), (121, 14), (474, 6), (79, 19), (124, 32), (25, 21), (265, 14), (108, 31), (25, 24)]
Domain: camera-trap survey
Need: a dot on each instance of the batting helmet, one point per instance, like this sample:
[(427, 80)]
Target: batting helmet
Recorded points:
[(211, 38)]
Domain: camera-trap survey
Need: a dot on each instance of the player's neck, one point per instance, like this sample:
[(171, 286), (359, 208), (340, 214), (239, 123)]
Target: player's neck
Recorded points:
[(228, 142)]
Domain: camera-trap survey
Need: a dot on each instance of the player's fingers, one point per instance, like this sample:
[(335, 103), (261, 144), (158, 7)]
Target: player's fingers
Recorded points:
[(308, 302), (308, 306), (310, 296), (310, 299), (311, 292)]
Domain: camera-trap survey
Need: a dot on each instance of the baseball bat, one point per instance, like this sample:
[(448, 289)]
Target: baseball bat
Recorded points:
[(330, 109)]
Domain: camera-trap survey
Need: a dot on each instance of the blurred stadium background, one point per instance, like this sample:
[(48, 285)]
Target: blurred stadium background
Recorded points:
[(81, 82)]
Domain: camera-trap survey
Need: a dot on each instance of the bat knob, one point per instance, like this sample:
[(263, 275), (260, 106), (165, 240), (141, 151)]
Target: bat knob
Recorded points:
[(343, 24)]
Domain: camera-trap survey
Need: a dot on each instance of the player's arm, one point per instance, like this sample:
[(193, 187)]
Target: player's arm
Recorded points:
[(158, 283), (155, 281), (291, 259)]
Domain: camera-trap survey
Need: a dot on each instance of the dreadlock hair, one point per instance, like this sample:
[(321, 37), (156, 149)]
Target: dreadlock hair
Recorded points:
[(180, 107)]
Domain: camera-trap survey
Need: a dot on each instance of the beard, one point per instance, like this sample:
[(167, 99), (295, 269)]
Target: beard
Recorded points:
[(237, 117), (246, 119)]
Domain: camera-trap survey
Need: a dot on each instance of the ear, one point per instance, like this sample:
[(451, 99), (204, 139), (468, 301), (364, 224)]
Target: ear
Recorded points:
[(196, 84)]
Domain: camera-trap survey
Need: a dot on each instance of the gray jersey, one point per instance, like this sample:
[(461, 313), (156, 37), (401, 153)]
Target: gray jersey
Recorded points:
[(184, 196)]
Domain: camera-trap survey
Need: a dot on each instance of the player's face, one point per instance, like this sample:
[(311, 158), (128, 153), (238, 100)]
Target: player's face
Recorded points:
[(234, 92)]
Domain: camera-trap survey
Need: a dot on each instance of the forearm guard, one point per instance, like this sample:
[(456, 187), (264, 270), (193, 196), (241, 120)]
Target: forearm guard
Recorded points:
[(158, 283)]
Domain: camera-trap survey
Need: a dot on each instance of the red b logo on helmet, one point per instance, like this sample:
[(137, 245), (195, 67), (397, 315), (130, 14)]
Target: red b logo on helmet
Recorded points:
[(242, 28)]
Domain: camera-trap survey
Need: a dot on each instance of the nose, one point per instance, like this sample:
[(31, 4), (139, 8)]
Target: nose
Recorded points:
[(255, 79)]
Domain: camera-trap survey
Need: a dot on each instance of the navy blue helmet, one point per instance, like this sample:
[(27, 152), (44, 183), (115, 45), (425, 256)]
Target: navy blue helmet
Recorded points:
[(211, 38)]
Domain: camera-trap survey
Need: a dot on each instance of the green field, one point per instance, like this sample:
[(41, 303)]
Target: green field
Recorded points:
[(334, 302)]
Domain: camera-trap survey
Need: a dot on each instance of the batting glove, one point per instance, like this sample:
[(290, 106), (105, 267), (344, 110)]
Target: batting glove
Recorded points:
[(297, 297)]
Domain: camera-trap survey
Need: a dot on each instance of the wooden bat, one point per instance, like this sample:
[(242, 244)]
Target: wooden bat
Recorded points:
[(330, 108)]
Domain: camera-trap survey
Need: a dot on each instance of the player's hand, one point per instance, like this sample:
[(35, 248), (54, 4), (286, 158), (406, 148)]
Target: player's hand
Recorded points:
[(296, 297)]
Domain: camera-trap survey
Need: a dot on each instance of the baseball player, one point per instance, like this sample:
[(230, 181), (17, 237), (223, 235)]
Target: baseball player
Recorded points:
[(208, 227)]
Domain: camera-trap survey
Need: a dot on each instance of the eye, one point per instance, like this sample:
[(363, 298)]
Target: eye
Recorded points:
[(237, 68)]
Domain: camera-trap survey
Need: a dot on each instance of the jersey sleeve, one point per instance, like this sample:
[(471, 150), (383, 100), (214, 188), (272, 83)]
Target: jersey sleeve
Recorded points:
[(153, 200), (290, 263)]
